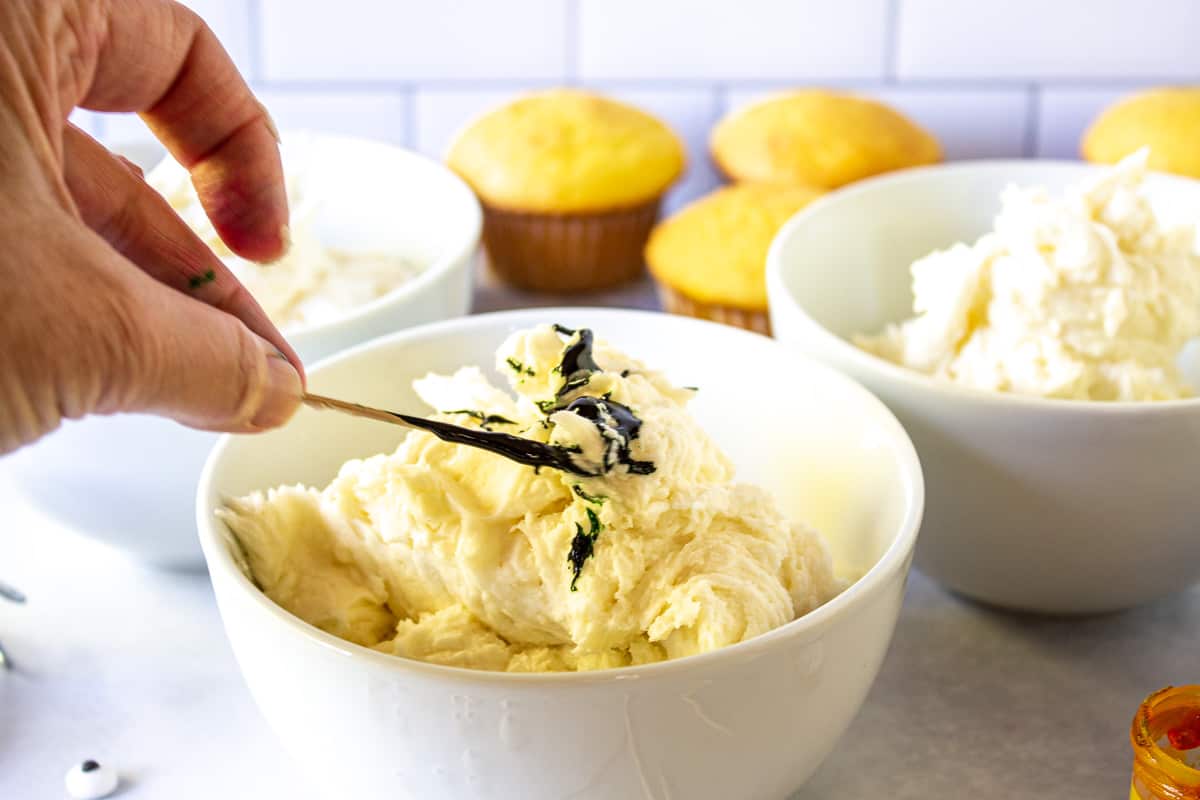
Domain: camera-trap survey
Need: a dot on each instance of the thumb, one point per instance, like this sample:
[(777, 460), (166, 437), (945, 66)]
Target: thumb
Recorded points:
[(203, 367)]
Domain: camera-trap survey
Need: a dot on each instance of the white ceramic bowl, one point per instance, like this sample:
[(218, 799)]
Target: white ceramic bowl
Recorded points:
[(750, 721), (1043, 505), (130, 480)]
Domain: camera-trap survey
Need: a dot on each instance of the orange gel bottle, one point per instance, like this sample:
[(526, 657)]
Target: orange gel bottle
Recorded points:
[(1166, 746)]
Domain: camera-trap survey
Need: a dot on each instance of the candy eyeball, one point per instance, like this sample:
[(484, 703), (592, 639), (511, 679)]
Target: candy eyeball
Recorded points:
[(90, 780)]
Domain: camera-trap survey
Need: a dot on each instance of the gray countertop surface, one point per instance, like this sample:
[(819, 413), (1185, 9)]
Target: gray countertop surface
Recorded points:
[(118, 662)]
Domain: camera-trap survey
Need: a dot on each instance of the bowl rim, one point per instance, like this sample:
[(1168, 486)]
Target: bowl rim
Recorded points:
[(894, 560), (781, 299), (445, 262)]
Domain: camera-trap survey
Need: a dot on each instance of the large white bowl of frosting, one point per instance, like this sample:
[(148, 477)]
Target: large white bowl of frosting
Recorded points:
[(677, 577), (1033, 326), (381, 239)]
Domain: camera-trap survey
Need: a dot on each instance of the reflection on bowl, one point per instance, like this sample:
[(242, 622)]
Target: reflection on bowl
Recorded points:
[(752, 720), (129, 480), (1044, 505)]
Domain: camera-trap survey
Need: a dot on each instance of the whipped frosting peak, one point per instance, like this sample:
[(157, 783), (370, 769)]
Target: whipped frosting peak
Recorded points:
[(1085, 295)]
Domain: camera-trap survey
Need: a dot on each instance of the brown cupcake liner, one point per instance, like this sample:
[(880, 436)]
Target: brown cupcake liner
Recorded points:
[(678, 303), (568, 252)]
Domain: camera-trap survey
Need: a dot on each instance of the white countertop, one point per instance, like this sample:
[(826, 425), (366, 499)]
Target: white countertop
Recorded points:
[(129, 666)]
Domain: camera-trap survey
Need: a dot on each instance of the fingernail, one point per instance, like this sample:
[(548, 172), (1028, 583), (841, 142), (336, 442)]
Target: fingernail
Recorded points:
[(285, 245), (281, 395), (285, 237), (132, 167), (270, 123)]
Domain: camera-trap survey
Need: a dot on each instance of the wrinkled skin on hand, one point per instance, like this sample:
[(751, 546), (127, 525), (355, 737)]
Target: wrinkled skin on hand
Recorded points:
[(108, 302)]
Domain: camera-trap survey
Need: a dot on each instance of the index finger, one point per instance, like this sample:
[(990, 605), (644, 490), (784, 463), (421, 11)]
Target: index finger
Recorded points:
[(160, 59)]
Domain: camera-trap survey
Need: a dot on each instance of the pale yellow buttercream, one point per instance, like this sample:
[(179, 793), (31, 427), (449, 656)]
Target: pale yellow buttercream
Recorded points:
[(452, 555)]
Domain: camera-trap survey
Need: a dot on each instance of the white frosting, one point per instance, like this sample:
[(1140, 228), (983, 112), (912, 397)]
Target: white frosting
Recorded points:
[(457, 556), (1086, 296), (311, 283)]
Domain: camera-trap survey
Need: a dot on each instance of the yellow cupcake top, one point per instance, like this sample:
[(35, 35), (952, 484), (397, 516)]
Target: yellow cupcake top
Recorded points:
[(818, 138), (566, 150), (715, 250), (1167, 120)]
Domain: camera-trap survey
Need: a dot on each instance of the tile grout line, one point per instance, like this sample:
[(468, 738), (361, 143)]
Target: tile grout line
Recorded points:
[(1033, 120), (571, 42), (653, 83), (408, 101), (650, 84), (720, 102), (98, 126), (1019, 81), (891, 42), (719, 108), (254, 28)]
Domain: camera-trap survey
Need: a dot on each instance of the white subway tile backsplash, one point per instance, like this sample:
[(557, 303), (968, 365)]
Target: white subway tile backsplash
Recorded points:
[(440, 114), (230, 21), (1035, 39), (717, 40), (983, 124), (969, 124), (124, 129), (87, 121), (409, 40), (1065, 113), (127, 135), (990, 79), (374, 115)]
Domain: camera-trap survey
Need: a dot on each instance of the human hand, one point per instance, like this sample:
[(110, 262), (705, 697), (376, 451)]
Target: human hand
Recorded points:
[(108, 301)]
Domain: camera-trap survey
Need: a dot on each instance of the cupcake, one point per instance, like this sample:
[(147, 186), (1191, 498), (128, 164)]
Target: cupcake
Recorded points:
[(709, 260), (818, 138), (1165, 120), (570, 184)]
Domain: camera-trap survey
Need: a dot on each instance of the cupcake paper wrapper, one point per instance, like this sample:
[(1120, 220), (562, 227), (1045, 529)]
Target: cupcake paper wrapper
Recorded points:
[(677, 303), (568, 252)]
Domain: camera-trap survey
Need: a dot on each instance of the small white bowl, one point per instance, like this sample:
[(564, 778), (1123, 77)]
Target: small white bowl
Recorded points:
[(1041, 505), (130, 480), (749, 721)]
